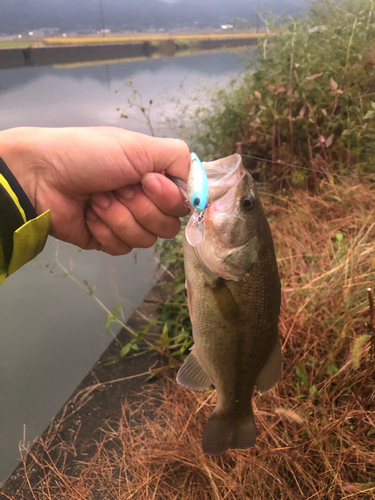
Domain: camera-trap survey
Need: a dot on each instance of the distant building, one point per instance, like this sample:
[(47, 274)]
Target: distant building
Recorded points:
[(50, 31), (227, 26), (36, 34)]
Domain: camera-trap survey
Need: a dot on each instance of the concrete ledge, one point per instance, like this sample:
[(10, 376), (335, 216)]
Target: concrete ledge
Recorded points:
[(70, 54), (44, 56), (11, 58), (232, 42)]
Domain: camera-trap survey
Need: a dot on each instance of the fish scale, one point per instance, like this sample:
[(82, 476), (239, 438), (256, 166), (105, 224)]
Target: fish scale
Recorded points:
[(243, 341)]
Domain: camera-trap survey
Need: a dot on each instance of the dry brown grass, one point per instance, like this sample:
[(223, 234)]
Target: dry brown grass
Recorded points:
[(316, 429)]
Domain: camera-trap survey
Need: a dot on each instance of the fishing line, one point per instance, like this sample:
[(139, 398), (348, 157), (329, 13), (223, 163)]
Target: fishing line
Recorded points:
[(291, 165)]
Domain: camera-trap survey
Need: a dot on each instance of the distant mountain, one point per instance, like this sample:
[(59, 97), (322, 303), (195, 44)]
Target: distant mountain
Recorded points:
[(20, 16)]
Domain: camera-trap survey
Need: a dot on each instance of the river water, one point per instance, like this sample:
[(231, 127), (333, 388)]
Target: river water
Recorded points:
[(52, 330)]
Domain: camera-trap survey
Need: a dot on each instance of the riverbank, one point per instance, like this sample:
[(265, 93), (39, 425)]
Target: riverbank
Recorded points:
[(72, 436), (51, 51), (120, 438)]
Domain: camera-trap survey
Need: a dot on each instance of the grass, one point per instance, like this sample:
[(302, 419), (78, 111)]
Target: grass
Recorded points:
[(316, 428), (20, 44)]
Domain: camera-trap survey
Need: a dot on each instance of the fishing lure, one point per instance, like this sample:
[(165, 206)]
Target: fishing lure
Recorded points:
[(197, 186)]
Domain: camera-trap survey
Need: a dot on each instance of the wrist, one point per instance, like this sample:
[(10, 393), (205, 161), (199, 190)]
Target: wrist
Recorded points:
[(22, 232), (16, 151)]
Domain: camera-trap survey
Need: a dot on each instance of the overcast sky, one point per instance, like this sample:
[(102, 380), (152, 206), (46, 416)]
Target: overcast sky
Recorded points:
[(70, 15)]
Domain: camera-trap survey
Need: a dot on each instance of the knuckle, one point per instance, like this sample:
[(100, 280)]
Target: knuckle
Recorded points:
[(122, 225), (183, 146), (102, 233), (145, 212)]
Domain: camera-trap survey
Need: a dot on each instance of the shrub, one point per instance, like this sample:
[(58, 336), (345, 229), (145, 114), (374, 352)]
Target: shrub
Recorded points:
[(308, 99)]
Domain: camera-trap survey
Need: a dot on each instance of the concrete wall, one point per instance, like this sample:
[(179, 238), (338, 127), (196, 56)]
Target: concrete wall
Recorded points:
[(231, 42), (11, 58), (42, 56), (67, 54)]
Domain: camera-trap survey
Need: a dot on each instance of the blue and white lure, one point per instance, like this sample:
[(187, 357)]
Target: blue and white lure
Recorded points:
[(197, 187)]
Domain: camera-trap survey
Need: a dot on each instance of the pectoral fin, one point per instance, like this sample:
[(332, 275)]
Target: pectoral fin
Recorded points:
[(271, 371), (192, 374), (224, 299)]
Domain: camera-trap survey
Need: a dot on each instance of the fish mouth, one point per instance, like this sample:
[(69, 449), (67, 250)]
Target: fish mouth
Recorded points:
[(222, 170), (222, 175)]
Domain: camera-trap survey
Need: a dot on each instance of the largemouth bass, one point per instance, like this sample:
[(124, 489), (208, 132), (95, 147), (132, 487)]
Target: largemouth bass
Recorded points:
[(234, 297)]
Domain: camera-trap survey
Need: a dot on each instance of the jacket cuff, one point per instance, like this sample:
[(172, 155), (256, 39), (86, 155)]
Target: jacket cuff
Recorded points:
[(23, 233)]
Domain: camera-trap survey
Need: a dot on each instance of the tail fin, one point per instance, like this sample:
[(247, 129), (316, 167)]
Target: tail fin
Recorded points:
[(223, 433)]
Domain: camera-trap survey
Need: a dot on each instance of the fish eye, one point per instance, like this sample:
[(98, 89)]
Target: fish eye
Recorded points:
[(196, 202), (248, 203)]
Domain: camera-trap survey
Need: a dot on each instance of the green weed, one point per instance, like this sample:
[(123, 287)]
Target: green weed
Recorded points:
[(307, 100)]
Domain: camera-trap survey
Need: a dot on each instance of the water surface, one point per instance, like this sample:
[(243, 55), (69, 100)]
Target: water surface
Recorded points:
[(52, 331)]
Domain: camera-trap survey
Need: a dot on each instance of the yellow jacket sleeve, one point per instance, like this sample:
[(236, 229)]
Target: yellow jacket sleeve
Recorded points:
[(23, 233)]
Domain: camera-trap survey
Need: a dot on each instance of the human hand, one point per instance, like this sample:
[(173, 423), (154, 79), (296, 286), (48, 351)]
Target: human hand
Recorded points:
[(104, 185)]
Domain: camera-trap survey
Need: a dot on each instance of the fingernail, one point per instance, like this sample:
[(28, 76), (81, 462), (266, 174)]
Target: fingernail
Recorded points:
[(91, 215), (127, 192), (102, 200), (151, 183)]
